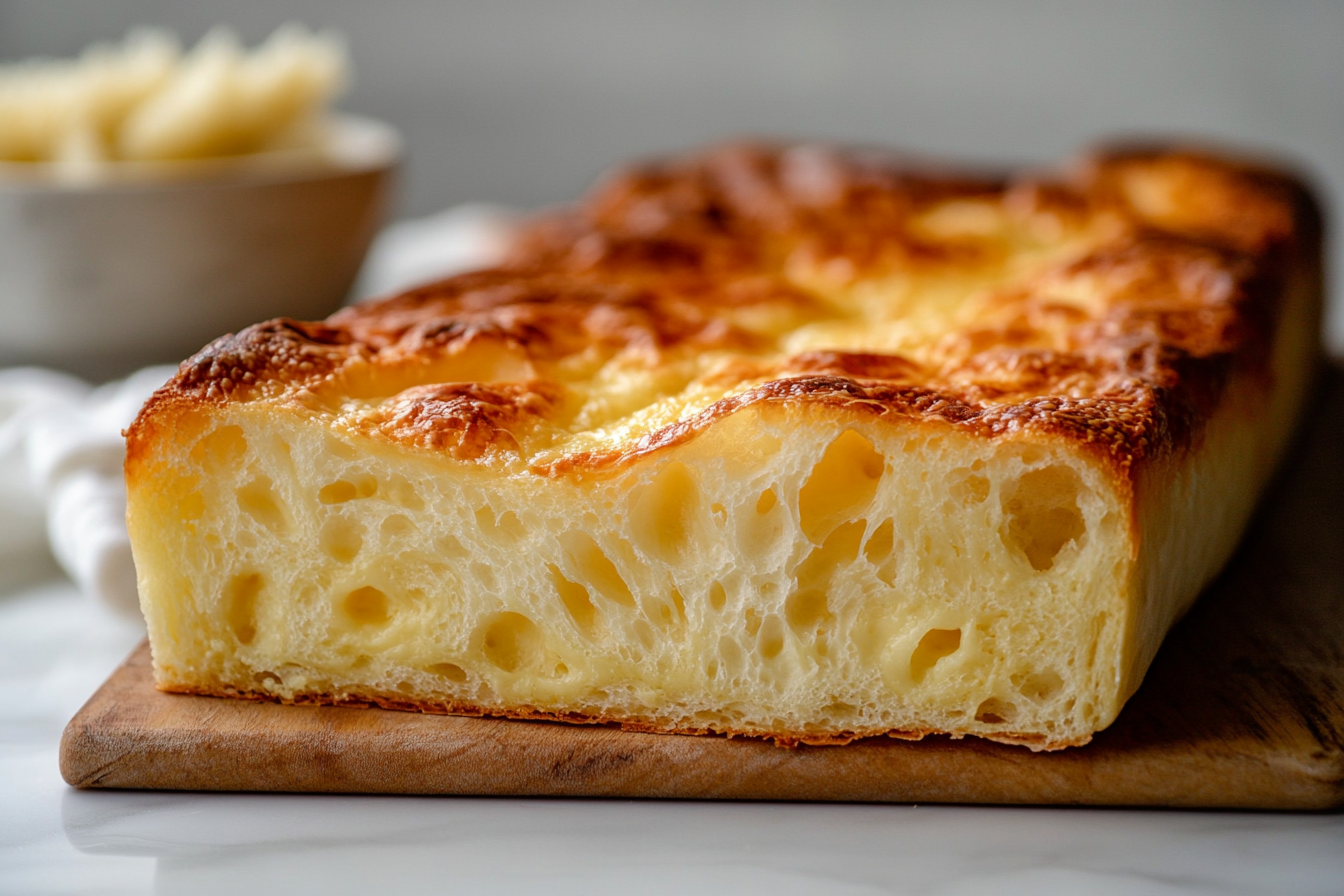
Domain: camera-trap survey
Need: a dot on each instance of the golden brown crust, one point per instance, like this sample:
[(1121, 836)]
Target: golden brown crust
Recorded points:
[(467, 419), (1111, 305)]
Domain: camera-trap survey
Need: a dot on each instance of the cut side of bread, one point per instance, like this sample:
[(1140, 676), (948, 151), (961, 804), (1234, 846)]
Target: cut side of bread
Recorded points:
[(791, 442)]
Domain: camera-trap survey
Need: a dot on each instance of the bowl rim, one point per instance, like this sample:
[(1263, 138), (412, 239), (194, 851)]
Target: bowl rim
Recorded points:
[(354, 145)]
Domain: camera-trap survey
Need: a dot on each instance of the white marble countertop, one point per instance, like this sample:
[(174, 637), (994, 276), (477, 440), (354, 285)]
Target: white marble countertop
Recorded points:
[(56, 648)]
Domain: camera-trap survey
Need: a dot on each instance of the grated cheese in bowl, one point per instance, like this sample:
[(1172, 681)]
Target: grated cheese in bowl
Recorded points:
[(145, 101)]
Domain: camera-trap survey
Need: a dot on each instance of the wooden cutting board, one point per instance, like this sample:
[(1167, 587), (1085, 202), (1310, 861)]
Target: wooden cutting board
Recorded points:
[(1243, 708)]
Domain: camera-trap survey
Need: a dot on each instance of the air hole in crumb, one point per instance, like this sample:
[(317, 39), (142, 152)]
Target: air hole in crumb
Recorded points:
[(659, 611), (485, 575), (450, 547), (840, 548), (511, 526), (337, 492), (596, 568), (878, 551), (222, 448), (719, 511), (240, 601), (771, 640), (450, 671), (731, 655), (341, 539), (485, 521), (366, 606), (972, 489), (712, 669), (405, 687), (805, 610), (1043, 514), (560, 670), (257, 499), (995, 711), (402, 492), (1031, 454), (506, 529), (396, 526), (267, 680), (718, 598), (360, 485), (1041, 686), (766, 502), (936, 644), (576, 599), (839, 710), (512, 641), (680, 603), (663, 513), (841, 485)]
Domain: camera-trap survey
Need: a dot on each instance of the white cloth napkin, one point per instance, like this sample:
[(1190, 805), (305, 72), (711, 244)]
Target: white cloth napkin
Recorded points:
[(61, 449)]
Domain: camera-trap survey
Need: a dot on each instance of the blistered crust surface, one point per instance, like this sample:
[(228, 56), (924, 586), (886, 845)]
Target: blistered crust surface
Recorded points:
[(1108, 304)]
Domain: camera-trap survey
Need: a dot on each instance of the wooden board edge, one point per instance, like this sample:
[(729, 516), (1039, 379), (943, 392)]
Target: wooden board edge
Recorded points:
[(82, 748)]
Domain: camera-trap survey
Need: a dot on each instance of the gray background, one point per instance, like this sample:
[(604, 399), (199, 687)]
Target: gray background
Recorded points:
[(525, 101)]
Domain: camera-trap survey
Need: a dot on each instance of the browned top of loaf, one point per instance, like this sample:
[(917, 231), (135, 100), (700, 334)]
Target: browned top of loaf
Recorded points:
[(1108, 303)]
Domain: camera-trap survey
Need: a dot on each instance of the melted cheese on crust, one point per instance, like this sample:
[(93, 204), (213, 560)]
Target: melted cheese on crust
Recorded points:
[(1108, 307)]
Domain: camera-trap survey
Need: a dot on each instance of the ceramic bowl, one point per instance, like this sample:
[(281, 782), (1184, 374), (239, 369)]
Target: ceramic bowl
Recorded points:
[(148, 264)]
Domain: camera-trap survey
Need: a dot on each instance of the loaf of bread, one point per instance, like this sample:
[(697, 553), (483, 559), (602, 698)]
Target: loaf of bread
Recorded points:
[(794, 442)]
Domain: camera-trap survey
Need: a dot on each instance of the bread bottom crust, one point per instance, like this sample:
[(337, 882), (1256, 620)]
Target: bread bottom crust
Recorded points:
[(786, 740)]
